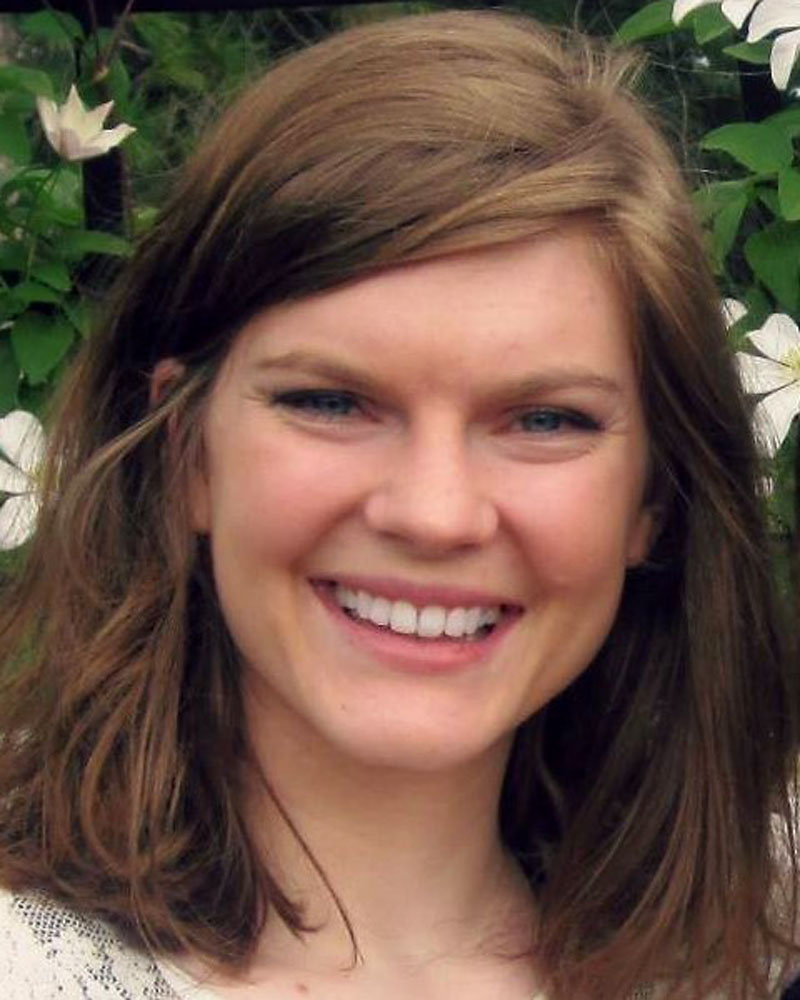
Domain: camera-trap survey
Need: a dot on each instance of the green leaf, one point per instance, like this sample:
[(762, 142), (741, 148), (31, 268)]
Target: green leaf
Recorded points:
[(714, 197), (758, 304), (759, 146), (53, 273), (62, 200), (14, 141), (78, 312), (39, 343), (51, 26), (76, 243), (28, 292), (50, 196), (769, 196), (12, 257), (788, 120), (18, 102), (164, 34), (181, 76), (654, 19), (32, 81), (118, 82), (757, 53), (789, 194), (144, 218), (709, 23), (725, 227), (9, 306), (9, 376), (774, 255)]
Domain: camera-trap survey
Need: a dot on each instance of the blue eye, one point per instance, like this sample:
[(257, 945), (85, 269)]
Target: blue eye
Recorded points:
[(550, 421), (325, 404)]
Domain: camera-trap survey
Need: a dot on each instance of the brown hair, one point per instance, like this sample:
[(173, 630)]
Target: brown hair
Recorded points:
[(639, 801)]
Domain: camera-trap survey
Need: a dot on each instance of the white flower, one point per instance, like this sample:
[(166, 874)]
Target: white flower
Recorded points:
[(732, 311), (74, 132), (22, 443), (782, 59), (775, 376), (765, 16), (735, 10)]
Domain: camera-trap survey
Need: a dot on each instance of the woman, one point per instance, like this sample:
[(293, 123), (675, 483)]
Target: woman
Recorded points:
[(399, 621)]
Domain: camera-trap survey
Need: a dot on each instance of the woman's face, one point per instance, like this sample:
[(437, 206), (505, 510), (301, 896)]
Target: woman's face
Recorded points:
[(422, 491)]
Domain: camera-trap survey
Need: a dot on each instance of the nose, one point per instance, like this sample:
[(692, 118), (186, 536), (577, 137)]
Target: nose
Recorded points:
[(430, 496)]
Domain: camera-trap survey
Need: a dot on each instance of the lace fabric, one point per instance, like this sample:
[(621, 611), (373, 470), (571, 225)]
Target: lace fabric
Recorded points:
[(50, 952)]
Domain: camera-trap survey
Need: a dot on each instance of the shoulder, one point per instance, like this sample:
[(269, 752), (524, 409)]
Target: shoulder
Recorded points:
[(49, 950)]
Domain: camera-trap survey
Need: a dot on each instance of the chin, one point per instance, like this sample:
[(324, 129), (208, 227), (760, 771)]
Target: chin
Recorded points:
[(422, 747)]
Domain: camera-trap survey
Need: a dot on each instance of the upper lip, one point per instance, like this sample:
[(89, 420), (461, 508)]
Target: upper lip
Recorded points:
[(420, 594)]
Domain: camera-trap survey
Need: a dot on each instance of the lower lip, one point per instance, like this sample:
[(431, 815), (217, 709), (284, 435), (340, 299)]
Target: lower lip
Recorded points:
[(411, 654)]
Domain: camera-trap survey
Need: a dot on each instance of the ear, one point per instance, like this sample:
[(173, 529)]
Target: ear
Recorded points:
[(198, 493), (165, 375), (643, 534)]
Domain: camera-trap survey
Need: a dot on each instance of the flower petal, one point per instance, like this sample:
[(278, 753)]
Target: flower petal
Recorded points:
[(13, 480), (72, 146), (683, 7), (732, 311), (22, 440), (17, 520), (773, 415), (93, 120), (736, 11), (76, 147), (110, 137), (48, 116), (73, 111), (771, 15), (762, 375), (783, 57), (778, 337)]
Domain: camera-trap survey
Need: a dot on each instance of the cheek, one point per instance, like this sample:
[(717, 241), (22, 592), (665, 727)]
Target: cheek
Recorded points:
[(272, 501), (576, 527)]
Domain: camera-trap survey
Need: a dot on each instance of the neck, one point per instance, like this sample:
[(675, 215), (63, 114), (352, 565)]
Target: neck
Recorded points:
[(414, 857)]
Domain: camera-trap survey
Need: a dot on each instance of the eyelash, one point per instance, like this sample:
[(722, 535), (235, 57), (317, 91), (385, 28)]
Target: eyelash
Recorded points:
[(334, 405), (319, 404), (574, 420)]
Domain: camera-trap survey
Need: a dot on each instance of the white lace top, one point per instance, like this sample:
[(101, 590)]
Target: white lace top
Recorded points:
[(49, 952)]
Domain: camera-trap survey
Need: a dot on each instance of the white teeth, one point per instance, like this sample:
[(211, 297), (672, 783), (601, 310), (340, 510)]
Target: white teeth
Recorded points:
[(471, 620), (428, 622), (347, 598), (489, 616), (431, 621), (456, 620), (363, 604), (381, 611), (404, 618)]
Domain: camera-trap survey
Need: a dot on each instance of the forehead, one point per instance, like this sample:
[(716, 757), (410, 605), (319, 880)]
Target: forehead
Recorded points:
[(542, 303)]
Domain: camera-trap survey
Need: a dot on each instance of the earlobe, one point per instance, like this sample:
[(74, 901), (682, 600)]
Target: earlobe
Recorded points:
[(166, 374), (644, 534), (198, 498)]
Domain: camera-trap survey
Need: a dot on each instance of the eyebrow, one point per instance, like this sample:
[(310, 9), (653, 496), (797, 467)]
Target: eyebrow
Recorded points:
[(552, 379), (310, 363)]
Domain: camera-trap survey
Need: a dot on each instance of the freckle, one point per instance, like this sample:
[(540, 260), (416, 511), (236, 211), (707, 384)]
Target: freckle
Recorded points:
[(300, 988)]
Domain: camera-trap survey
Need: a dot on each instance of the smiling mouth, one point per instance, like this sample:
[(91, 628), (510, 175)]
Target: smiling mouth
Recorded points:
[(429, 622)]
